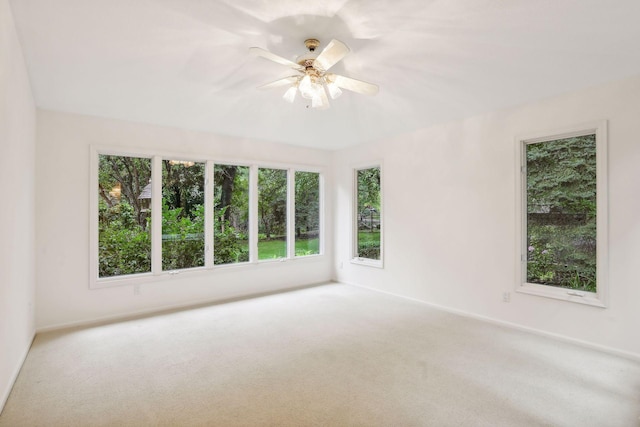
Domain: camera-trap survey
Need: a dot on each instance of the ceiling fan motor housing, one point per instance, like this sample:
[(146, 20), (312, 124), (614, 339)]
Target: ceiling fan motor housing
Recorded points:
[(312, 44)]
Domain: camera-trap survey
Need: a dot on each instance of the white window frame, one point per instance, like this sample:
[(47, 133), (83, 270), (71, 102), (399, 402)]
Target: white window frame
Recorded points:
[(156, 214), (355, 259), (292, 206), (289, 225), (94, 280), (156, 272), (598, 298)]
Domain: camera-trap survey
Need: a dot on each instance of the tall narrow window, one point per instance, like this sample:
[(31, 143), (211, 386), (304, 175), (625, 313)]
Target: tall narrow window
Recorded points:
[(368, 214), (272, 213), (182, 214), (563, 239), (124, 216), (231, 214), (307, 220)]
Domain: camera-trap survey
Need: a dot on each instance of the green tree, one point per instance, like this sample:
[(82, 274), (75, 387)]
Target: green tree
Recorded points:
[(561, 212), (231, 214), (272, 201), (124, 243), (182, 214), (368, 186), (130, 175), (307, 203)]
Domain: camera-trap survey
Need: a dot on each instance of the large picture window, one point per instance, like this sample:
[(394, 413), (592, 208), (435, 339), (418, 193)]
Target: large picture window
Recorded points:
[(153, 215), (563, 245), (368, 215)]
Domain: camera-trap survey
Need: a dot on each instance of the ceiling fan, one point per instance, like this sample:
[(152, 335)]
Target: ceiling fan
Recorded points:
[(314, 80)]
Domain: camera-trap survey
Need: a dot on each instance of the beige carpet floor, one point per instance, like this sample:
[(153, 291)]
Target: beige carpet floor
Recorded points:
[(332, 355)]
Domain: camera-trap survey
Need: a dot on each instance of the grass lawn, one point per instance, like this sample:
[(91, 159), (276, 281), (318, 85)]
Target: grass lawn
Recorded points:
[(270, 249), (369, 244), (368, 237)]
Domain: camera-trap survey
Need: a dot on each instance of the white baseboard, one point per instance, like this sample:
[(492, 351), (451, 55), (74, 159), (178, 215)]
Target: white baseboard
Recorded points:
[(610, 350), (5, 393)]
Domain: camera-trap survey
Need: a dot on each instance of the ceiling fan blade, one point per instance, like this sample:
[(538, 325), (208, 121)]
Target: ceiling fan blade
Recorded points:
[(258, 51), (287, 81), (354, 85), (330, 55)]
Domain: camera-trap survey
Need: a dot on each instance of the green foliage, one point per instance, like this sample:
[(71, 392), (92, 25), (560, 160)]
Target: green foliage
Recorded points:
[(368, 181), (124, 247), (561, 213), (369, 188), (308, 246), (230, 246), (124, 243), (369, 244), (272, 201), (131, 175), (124, 221), (541, 262), (231, 213), (183, 185), (307, 203), (182, 237)]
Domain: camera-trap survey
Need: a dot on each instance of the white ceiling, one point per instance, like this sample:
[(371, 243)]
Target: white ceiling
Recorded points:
[(185, 63)]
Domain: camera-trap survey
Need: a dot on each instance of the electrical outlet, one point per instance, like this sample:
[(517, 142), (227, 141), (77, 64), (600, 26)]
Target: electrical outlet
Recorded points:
[(341, 264), (136, 289), (506, 296)]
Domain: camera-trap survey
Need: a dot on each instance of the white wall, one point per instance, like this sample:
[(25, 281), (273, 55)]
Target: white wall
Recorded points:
[(449, 215), (62, 224), (17, 209)]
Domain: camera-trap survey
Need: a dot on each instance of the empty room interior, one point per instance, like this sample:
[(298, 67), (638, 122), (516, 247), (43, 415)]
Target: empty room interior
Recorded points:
[(346, 212)]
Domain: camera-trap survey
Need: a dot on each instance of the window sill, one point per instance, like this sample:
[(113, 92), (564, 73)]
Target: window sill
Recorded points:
[(367, 262), (142, 278), (575, 296)]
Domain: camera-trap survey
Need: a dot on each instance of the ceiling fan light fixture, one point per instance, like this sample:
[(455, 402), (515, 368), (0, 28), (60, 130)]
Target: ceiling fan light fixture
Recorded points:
[(290, 94), (320, 100), (308, 89), (334, 90)]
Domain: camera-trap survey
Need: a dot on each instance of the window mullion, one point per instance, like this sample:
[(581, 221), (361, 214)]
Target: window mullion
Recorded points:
[(208, 215), (253, 214), (291, 210), (156, 215)]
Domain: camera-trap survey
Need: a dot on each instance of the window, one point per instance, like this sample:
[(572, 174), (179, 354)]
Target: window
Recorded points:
[(182, 214), (307, 215), (124, 221), (563, 215), (231, 214), (272, 213), (155, 215), (368, 216)]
